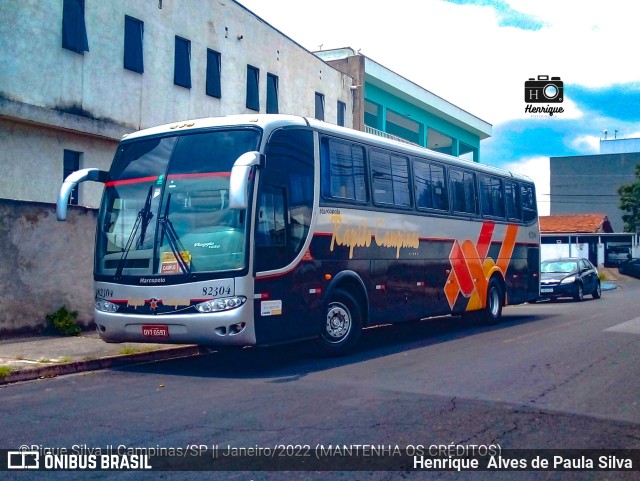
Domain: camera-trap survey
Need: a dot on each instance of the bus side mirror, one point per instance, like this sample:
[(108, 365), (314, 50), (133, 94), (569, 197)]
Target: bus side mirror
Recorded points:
[(70, 183), (239, 180)]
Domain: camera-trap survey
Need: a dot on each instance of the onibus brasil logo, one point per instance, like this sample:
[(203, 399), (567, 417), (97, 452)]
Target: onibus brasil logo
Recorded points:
[(544, 90)]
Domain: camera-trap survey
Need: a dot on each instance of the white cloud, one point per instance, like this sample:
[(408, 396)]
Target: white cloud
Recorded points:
[(537, 168), (586, 144), (461, 53)]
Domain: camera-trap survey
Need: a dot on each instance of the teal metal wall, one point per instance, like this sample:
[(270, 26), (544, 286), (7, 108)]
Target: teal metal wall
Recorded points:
[(387, 101)]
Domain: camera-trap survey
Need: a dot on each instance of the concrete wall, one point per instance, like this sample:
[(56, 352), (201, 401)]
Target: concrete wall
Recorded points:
[(588, 184), (45, 264), (31, 161)]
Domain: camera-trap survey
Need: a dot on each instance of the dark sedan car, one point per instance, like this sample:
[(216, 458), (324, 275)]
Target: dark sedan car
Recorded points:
[(569, 277), (630, 268)]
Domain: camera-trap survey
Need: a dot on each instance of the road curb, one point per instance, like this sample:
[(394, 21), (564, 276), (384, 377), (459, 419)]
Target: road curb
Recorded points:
[(73, 367)]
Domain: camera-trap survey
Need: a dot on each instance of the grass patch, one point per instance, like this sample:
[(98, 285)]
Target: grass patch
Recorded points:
[(43, 360), (5, 371)]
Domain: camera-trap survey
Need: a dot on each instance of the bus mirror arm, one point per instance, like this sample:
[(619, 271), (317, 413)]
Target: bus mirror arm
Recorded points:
[(239, 180), (70, 183)]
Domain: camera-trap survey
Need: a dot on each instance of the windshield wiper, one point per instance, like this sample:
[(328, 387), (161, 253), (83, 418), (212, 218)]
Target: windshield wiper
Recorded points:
[(172, 237), (144, 217)]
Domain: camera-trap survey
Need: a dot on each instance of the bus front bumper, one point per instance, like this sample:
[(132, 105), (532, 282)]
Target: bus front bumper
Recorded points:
[(228, 328)]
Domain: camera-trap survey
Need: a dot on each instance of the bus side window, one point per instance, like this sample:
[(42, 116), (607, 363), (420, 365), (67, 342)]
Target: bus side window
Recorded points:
[(528, 203), (463, 191), (512, 201)]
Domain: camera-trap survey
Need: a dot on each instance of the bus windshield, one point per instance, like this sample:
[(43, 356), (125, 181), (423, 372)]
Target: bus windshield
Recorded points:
[(165, 210)]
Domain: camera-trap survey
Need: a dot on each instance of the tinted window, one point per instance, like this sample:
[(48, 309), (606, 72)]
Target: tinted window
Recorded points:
[(285, 198), (343, 171), (528, 203), (463, 191), (390, 182), (491, 196), (512, 201), (431, 190)]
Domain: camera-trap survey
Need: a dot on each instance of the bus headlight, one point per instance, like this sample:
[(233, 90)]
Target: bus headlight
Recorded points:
[(106, 306), (216, 305)]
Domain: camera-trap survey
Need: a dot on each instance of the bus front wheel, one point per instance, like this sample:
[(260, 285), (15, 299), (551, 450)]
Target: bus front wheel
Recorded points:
[(343, 324)]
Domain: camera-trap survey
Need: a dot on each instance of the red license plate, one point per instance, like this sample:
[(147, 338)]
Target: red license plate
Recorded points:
[(155, 330)]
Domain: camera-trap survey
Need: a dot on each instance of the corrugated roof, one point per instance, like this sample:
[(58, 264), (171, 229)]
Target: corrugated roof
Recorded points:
[(578, 223)]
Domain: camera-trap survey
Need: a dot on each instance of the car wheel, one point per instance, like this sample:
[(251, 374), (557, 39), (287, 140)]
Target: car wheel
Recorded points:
[(597, 293), (343, 324), (579, 294)]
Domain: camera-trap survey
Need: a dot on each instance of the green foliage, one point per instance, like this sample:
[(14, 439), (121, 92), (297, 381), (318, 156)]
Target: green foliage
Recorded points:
[(63, 321), (5, 371), (630, 203)]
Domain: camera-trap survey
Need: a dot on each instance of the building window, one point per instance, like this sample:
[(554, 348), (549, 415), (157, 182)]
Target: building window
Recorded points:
[(372, 115), (74, 30), (439, 141), (390, 175), (71, 163), (342, 110), (402, 126), (272, 93), (467, 152), (319, 106), (253, 95), (214, 88), (182, 63), (133, 32)]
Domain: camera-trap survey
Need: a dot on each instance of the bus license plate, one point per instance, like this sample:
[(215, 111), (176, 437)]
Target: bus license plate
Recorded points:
[(155, 330), (546, 290)]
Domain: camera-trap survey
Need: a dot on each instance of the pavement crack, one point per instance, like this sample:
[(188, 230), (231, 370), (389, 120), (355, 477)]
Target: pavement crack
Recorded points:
[(556, 386)]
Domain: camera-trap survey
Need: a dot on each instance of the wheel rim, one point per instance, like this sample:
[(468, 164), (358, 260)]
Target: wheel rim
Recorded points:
[(338, 323), (494, 302), (580, 293)]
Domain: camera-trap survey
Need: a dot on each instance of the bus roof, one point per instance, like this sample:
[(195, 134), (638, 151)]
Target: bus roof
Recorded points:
[(269, 122)]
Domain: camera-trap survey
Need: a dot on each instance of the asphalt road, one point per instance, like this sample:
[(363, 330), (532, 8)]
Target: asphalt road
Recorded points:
[(552, 375)]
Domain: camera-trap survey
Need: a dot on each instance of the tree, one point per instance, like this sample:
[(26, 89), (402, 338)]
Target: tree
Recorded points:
[(630, 203)]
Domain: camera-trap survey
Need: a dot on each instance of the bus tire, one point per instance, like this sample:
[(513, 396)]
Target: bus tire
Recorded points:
[(342, 325), (492, 312)]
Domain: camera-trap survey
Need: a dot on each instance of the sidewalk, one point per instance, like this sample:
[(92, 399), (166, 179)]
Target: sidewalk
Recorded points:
[(37, 357)]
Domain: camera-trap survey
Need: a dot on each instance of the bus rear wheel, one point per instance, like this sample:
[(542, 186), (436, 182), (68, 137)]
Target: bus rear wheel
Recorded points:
[(492, 312), (342, 326)]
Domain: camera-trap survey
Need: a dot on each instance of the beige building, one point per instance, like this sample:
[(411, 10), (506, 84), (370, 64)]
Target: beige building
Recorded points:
[(79, 74)]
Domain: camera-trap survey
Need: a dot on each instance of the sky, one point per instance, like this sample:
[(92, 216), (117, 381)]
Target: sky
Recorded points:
[(477, 54)]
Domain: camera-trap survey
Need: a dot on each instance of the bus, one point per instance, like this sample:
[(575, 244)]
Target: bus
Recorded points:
[(265, 229)]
